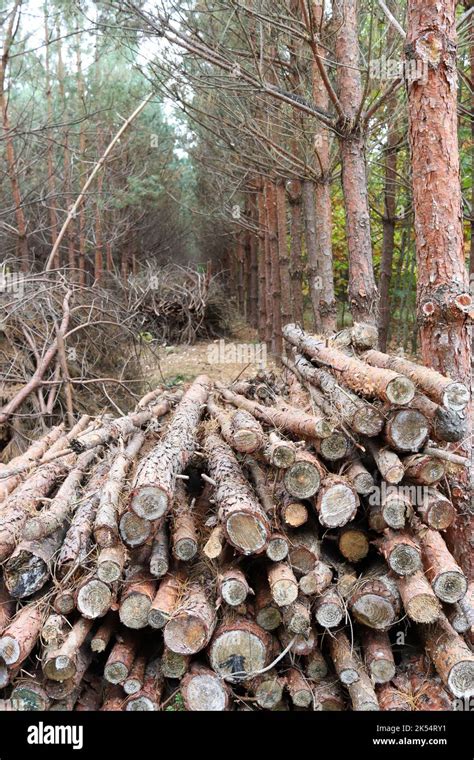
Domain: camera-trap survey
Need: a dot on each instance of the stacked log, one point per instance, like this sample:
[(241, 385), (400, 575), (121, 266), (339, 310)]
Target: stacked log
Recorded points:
[(269, 545)]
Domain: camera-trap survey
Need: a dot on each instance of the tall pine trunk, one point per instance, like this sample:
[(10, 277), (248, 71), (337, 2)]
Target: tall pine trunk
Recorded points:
[(363, 297), (442, 285)]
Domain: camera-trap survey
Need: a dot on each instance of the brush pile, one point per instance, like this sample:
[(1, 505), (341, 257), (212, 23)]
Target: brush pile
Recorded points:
[(275, 544)]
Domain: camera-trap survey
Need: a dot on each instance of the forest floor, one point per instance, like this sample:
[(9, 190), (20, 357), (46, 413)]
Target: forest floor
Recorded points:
[(238, 355)]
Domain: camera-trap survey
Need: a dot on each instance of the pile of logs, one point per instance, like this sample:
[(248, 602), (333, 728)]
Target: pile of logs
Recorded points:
[(277, 543)]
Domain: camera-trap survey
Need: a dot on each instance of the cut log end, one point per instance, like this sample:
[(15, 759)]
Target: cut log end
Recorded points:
[(461, 679), (185, 634), (185, 549), (283, 456), (9, 650), (382, 671), (400, 390), (238, 653), (334, 447), (354, 544), (150, 503), (368, 421), (374, 611), (450, 586), (329, 615), (109, 571), (141, 703), (423, 608), (269, 618), (234, 591), (94, 599), (302, 480), (456, 397), (404, 560), (115, 672), (134, 529), (407, 430), (246, 532), (134, 611), (205, 692), (277, 549), (336, 505)]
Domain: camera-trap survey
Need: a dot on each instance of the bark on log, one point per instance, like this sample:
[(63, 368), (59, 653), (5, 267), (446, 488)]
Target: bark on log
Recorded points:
[(22, 633), (104, 633), (136, 599), (106, 529), (360, 377), (159, 563), (436, 510), (52, 519), (155, 480), (362, 694), (388, 463), (267, 612), (424, 469), (29, 567), (282, 417), (121, 658), (378, 656), (402, 553), (317, 580), (447, 579), (452, 658), (166, 599), (298, 688), (304, 551), (360, 478), (245, 523), (419, 600), (283, 584), (62, 663), (345, 660), (184, 539), (192, 624), (440, 389), (360, 416)]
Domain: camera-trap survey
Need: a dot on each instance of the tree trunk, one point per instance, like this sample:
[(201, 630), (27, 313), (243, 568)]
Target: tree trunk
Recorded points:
[(363, 295), (443, 300)]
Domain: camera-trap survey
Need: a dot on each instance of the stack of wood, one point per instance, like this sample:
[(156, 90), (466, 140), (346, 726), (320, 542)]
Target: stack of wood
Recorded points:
[(275, 544)]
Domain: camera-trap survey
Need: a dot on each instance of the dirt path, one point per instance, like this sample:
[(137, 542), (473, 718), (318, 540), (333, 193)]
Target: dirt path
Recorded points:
[(239, 355)]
